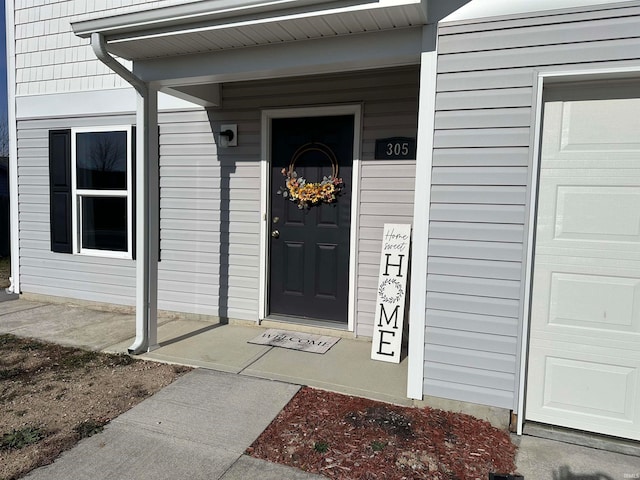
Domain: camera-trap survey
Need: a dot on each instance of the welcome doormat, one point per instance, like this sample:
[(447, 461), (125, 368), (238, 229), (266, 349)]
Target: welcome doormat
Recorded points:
[(304, 342)]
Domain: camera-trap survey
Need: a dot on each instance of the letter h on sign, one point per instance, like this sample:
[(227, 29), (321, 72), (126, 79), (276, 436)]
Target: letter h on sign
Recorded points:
[(389, 264), (392, 285)]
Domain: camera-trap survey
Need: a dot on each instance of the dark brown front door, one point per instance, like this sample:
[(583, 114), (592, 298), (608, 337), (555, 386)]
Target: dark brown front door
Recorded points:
[(309, 247)]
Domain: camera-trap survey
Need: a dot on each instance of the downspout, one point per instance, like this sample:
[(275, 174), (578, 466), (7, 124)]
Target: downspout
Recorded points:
[(100, 49), (145, 338)]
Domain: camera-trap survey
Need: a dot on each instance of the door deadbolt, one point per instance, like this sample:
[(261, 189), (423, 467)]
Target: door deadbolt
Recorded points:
[(276, 219), (275, 234)]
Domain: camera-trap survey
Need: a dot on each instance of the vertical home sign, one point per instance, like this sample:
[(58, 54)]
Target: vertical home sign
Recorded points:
[(392, 289)]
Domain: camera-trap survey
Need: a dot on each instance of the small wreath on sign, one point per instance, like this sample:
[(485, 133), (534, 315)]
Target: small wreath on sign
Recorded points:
[(306, 194), (390, 291)]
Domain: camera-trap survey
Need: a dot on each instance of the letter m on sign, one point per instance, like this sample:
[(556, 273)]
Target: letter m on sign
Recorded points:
[(392, 289)]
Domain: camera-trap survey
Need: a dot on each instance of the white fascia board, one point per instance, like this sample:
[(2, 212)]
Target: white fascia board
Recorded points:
[(180, 17), (90, 103), (175, 15), (326, 55), (416, 19), (478, 9)]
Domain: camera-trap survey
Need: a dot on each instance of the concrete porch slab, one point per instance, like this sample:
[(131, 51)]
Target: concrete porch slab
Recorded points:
[(65, 324), (200, 344), (9, 320), (346, 368)]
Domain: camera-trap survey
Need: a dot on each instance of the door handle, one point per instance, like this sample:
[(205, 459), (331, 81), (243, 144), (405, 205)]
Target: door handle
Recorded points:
[(275, 234)]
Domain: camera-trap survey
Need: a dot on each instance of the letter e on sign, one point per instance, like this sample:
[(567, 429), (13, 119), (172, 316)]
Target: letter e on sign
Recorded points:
[(392, 290)]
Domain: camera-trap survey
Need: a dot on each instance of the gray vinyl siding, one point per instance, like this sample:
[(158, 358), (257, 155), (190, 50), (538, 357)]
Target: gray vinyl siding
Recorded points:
[(481, 185), (389, 100), (42, 271), (210, 199), (209, 218)]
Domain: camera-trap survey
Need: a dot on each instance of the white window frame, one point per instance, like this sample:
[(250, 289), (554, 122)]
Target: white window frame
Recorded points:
[(77, 195)]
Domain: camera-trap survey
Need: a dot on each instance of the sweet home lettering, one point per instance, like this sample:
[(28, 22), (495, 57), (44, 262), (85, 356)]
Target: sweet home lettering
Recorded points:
[(392, 284)]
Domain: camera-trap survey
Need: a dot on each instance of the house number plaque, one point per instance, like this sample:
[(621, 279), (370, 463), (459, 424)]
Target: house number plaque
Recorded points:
[(396, 148)]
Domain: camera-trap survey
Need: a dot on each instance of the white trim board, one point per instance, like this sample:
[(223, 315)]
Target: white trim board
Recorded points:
[(13, 147), (420, 237), (265, 162), (91, 103), (543, 78)]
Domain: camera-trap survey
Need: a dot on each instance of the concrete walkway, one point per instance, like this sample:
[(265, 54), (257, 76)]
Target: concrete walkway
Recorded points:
[(196, 428), (199, 426)]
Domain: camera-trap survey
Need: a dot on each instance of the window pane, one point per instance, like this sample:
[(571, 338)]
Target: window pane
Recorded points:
[(104, 223), (101, 160)]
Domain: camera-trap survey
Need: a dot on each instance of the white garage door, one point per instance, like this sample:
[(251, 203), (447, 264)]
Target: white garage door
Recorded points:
[(584, 354)]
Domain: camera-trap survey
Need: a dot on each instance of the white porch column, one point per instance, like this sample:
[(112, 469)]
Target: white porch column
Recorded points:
[(147, 221), (422, 201), (12, 126)]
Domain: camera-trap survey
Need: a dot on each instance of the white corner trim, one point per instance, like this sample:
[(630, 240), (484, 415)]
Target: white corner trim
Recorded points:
[(13, 147), (265, 162), (355, 217), (90, 103), (421, 211), (528, 280), (544, 78)]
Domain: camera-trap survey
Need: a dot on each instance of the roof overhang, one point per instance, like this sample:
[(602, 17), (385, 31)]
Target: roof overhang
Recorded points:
[(210, 26)]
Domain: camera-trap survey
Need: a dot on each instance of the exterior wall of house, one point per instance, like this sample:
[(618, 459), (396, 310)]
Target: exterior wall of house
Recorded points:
[(50, 58), (481, 175), (210, 200), (45, 272)]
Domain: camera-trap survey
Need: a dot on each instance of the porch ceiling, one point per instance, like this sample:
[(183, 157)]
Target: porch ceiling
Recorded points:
[(209, 26)]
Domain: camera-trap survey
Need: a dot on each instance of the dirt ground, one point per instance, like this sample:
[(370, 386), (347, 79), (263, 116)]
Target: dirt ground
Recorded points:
[(4, 272), (345, 437), (52, 396)]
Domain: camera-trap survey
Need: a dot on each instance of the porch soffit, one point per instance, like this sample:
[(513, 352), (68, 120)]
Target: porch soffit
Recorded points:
[(213, 25)]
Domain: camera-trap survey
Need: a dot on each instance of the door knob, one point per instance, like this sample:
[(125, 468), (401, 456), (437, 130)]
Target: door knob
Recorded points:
[(275, 234)]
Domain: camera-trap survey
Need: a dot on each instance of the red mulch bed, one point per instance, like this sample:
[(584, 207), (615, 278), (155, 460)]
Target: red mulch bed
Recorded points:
[(345, 437)]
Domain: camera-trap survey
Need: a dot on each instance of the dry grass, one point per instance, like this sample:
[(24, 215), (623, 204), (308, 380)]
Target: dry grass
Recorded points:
[(4, 272), (52, 396)]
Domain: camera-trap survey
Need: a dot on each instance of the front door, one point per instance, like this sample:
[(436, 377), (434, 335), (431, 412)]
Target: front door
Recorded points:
[(309, 246), (584, 355)]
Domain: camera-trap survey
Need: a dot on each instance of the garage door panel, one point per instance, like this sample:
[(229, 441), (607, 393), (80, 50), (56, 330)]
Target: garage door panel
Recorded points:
[(591, 125), (584, 352), (584, 213), (578, 212), (595, 125), (590, 388), (583, 296), (591, 394), (595, 301)]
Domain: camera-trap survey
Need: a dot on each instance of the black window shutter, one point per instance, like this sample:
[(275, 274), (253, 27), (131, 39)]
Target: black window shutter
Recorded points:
[(60, 190)]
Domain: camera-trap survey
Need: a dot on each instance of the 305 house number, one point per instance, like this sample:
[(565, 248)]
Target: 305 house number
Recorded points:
[(398, 148), (395, 148)]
